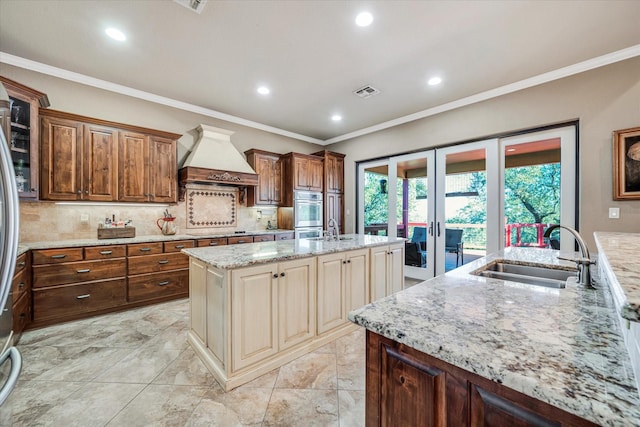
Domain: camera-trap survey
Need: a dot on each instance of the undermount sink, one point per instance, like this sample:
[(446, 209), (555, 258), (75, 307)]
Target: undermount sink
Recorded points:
[(540, 276)]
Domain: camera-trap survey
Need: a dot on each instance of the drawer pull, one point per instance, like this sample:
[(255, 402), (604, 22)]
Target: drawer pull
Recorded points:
[(58, 256), (163, 283), (83, 296), (145, 249), (179, 246), (163, 261), (21, 264), (241, 241), (20, 285), (213, 243), (106, 252), (84, 270)]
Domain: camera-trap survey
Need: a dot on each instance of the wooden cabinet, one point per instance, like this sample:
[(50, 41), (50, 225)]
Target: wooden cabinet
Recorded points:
[(218, 241), (271, 309), (69, 283), (21, 295), (157, 271), (286, 236), (22, 130), (409, 388), (239, 240), (333, 185), (264, 238), (269, 169), (78, 160), (387, 270), (343, 286), (301, 172), (91, 159)]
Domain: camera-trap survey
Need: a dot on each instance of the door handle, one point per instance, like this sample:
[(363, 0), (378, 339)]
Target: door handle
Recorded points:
[(438, 228), (431, 228)]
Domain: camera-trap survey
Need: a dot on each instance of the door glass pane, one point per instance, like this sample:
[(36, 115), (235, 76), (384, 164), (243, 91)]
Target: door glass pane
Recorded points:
[(376, 200), (412, 210), (532, 193), (465, 231)]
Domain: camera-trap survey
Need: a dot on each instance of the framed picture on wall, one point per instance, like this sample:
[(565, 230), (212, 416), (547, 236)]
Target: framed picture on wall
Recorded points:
[(626, 164)]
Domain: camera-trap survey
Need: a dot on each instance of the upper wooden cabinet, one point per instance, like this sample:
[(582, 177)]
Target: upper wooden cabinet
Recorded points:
[(22, 131), (90, 159), (269, 169), (333, 171), (301, 172)]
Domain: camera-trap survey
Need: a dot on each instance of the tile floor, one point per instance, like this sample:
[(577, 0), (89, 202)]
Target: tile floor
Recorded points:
[(136, 369)]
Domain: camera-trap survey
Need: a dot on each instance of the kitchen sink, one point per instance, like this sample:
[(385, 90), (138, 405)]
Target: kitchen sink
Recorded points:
[(330, 240), (540, 276)]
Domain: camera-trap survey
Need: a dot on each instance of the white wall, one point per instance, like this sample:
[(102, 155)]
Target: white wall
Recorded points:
[(603, 100)]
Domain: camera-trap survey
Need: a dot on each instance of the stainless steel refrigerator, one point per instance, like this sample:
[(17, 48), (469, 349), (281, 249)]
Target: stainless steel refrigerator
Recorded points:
[(10, 358)]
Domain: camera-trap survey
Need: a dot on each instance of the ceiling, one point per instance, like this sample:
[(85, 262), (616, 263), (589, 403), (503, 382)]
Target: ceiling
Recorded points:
[(313, 56)]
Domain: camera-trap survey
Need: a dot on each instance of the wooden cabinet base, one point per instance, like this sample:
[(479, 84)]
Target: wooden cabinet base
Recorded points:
[(158, 285), (409, 388)]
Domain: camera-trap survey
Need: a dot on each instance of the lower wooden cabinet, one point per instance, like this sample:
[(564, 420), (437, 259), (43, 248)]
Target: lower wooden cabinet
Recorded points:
[(406, 387), (21, 295), (158, 285)]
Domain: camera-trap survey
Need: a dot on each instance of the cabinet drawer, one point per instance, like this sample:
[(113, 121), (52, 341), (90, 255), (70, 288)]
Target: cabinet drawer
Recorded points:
[(105, 252), (74, 272), (178, 245), (218, 241), (20, 284), (21, 312), (157, 285), (144, 249), (285, 236), (239, 240), (54, 256), (264, 238), (63, 301), (21, 263), (156, 263)]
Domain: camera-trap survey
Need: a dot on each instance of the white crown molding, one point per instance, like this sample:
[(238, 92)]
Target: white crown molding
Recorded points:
[(560, 73), (135, 93)]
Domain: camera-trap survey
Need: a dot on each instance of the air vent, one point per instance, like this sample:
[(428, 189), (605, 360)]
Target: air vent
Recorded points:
[(366, 91), (194, 5)]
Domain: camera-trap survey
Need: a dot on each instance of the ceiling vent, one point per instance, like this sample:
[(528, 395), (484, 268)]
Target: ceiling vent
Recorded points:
[(194, 5), (366, 91)]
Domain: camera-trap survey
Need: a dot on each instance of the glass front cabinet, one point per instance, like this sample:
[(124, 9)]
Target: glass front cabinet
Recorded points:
[(23, 130)]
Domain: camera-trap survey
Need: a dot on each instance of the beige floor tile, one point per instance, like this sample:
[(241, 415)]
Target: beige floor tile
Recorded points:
[(307, 408), (139, 366), (86, 365), (39, 359), (243, 406), (186, 369), (311, 371), (31, 399), (267, 380), (351, 371), (351, 405)]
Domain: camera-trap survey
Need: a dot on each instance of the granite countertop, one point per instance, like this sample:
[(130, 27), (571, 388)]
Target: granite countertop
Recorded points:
[(49, 244), (619, 251), (561, 346), (237, 256)]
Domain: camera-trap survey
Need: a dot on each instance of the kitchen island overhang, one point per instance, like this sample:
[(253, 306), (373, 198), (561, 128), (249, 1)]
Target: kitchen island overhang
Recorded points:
[(255, 307)]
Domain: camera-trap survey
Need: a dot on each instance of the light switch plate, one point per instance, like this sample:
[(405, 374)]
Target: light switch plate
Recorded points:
[(84, 218), (614, 213)]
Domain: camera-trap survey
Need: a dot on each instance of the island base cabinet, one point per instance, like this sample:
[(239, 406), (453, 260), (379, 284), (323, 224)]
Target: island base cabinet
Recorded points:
[(387, 270), (406, 387)]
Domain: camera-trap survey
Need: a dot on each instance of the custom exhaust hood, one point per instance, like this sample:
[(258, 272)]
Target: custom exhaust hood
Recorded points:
[(214, 160)]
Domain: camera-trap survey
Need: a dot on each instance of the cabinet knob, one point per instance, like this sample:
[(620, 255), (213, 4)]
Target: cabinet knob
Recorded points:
[(20, 285), (344, 262), (282, 274), (275, 276), (349, 261), (21, 264), (34, 190), (86, 191), (79, 191)]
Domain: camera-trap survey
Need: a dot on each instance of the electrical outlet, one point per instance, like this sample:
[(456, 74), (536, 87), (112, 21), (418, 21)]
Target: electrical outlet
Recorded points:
[(614, 213), (84, 218)]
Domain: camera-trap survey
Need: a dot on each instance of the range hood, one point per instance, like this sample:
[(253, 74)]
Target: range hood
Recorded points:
[(214, 160)]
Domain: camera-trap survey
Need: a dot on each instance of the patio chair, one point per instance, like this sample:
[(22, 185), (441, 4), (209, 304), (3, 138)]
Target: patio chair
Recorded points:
[(453, 243), (413, 256), (420, 237)]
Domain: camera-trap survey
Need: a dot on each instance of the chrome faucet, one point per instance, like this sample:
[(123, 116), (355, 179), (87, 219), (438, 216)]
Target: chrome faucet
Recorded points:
[(583, 264), (333, 229)]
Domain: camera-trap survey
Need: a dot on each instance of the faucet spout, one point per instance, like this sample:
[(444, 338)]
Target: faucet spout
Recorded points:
[(583, 264), (332, 225)]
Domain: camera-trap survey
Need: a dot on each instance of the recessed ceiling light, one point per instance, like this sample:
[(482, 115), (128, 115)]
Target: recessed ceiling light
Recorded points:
[(434, 81), (263, 90), (336, 117), (115, 34), (364, 19)]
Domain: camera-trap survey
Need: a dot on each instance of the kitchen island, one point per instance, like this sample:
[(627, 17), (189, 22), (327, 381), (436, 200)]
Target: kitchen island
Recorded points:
[(464, 349), (257, 306)]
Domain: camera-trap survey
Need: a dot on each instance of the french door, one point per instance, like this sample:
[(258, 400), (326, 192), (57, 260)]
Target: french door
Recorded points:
[(458, 203)]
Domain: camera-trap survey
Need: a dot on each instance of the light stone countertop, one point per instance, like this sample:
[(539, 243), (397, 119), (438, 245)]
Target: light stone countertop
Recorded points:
[(561, 346), (238, 256), (621, 253), (51, 244)]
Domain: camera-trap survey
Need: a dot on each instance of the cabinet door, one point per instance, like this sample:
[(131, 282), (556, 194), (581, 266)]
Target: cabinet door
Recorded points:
[(315, 174), (61, 153), (357, 279), (198, 300), (300, 173), (334, 209), (254, 329), (100, 163), (395, 269), (378, 276), (334, 173), (133, 165), (331, 293), (296, 302), (276, 184), (264, 169), (162, 170)]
